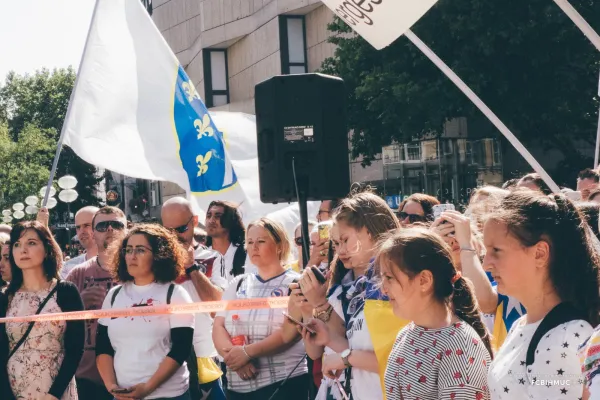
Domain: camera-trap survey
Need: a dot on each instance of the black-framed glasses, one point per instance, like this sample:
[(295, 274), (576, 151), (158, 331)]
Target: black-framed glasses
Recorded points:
[(103, 226), (412, 218), (139, 251), (298, 241), (182, 228)]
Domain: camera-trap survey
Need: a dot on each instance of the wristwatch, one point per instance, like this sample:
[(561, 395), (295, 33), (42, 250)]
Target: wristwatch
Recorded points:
[(345, 354), (191, 269)]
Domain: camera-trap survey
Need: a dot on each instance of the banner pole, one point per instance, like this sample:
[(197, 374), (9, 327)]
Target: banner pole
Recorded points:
[(59, 144), (581, 23), (483, 107)]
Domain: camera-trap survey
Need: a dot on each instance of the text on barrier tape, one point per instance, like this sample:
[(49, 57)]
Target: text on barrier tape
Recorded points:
[(191, 308)]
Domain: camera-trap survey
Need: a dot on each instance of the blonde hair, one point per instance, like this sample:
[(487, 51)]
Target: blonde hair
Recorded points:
[(367, 210), (276, 232)]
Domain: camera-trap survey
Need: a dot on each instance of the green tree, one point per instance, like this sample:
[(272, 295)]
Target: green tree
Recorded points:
[(526, 60), (23, 163), (42, 99)]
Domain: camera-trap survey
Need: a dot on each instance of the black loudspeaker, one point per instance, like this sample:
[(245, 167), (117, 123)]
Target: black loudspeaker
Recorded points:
[(301, 122)]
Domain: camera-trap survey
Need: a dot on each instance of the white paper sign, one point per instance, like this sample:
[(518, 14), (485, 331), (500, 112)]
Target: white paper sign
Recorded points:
[(380, 22)]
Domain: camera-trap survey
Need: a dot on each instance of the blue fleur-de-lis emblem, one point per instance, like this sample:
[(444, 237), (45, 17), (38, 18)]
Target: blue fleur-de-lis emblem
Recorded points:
[(201, 146), (190, 91), (203, 127), (202, 161)]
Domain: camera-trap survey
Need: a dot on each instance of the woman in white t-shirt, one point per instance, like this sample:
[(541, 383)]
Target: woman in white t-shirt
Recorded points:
[(539, 252), (363, 334), (144, 357), (260, 361)]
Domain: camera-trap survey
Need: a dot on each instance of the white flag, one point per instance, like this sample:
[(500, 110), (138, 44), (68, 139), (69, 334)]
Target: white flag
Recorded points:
[(135, 111), (380, 22)]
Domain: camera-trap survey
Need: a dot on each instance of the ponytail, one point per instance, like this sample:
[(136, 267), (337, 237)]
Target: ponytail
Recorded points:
[(466, 308)]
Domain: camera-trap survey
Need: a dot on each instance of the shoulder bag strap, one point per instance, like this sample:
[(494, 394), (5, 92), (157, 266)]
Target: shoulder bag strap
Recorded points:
[(30, 327), (560, 314), (114, 295), (170, 292)]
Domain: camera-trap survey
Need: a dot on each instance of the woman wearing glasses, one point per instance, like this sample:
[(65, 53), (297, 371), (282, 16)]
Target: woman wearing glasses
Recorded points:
[(417, 208), (144, 357)]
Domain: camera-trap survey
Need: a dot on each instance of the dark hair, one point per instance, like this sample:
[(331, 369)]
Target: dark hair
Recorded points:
[(52, 262), (107, 210), (532, 217), (199, 235), (590, 212), (510, 184), (413, 250), (338, 271), (593, 194), (537, 180), (230, 220), (425, 201), (589, 173), (367, 210), (168, 254)]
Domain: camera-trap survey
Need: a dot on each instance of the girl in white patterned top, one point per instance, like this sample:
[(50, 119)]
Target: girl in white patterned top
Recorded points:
[(260, 367), (444, 352), (539, 252)]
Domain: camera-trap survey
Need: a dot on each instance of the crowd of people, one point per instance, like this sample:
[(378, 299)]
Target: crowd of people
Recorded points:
[(497, 301)]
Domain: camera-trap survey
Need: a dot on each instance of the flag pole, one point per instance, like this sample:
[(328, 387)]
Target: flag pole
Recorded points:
[(483, 107), (59, 144), (597, 152), (581, 23)]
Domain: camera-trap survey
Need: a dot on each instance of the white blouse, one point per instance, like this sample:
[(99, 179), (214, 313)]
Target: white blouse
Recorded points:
[(555, 372)]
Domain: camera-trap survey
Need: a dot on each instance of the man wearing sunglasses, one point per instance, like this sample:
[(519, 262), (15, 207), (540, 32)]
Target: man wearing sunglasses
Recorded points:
[(178, 216), (93, 281)]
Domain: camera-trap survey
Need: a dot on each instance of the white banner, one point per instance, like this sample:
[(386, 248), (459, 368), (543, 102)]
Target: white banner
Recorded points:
[(380, 22)]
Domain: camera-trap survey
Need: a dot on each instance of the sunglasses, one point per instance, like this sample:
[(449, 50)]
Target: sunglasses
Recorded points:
[(298, 241), (412, 218), (103, 226), (182, 228)]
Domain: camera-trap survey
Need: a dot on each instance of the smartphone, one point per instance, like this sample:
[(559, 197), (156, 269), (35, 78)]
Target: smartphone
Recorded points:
[(324, 231), (318, 274), (121, 390), (298, 323), (440, 208)]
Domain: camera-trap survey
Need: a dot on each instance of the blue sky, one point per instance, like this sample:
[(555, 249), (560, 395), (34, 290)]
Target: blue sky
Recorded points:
[(42, 33)]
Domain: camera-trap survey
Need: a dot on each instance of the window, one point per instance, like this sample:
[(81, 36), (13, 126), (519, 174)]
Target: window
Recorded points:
[(216, 84), (413, 152), (497, 154), (147, 5), (292, 40)]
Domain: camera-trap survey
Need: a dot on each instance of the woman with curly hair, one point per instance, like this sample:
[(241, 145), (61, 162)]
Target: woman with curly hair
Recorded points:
[(38, 359), (144, 357)]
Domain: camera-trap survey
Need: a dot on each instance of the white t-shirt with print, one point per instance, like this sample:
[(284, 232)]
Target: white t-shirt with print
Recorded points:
[(258, 325), (142, 343), (555, 372)]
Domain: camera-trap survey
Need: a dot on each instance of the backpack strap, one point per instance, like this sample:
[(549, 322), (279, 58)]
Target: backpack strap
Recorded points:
[(170, 292), (114, 295), (239, 285), (562, 313)]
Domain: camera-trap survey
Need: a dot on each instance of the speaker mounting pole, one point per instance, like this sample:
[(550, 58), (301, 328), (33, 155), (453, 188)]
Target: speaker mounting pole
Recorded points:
[(302, 201)]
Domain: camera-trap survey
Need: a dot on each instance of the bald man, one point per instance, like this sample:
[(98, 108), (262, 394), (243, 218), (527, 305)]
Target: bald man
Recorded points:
[(178, 216), (5, 229), (83, 227)]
